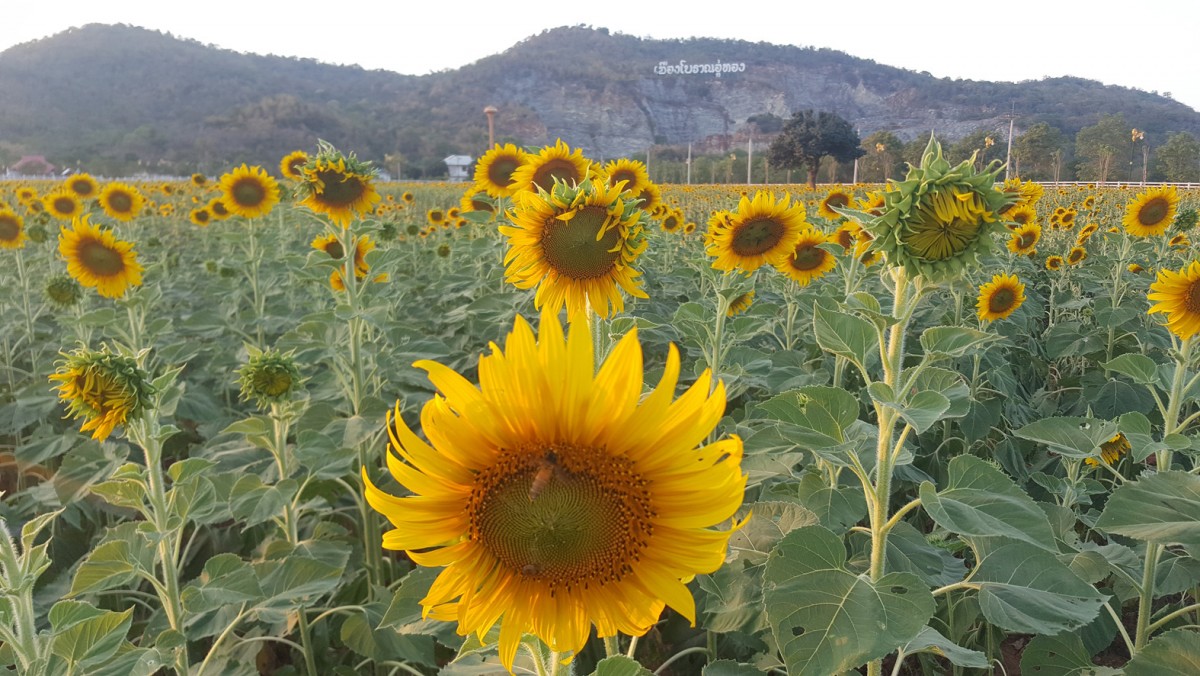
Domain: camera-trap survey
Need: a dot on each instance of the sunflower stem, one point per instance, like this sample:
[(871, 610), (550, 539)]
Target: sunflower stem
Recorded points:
[(24, 284)]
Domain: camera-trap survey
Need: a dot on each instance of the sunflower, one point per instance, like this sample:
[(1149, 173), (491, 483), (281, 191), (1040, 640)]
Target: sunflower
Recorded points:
[(1027, 192), (12, 230), (740, 304), (1178, 295), (1076, 255), (808, 260), (836, 199), (1000, 297), (201, 217), (476, 199), (331, 244), (1135, 268), (650, 198), (1067, 218), (99, 260), (873, 203), (762, 231), (1086, 233), (218, 209), (1054, 262), (26, 194), (435, 216), (249, 192), (292, 164), (577, 244), (120, 201), (671, 221), (494, 172), (1180, 240), (1151, 212), (1021, 215), (1111, 451), (103, 388), (1025, 238), (556, 499), (846, 235), (62, 204), (553, 163), (83, 185), (408, 198), (199, 180), (633, 173), (339, 186)]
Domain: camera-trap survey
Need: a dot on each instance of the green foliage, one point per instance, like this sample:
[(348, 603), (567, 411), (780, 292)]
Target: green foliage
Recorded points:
[(810, 136)]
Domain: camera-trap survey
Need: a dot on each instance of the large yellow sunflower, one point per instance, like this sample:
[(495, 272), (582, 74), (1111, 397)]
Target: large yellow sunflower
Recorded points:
[(1000, 297), (62, 204), (1178, 295), (556, 162), (292, 165), (97, 259), (634, 174), (1076, 255), (558, 498), (494, 172), (83, 185), (837, 198), (1024, 239), (808, 260), (577, 244), (120, 201), (339, 187), (1054, 262), (249, 192), (763, 230), (12, 230), (1151, 212)]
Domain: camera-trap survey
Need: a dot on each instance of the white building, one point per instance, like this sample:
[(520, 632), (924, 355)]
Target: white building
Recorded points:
[(459, 166)]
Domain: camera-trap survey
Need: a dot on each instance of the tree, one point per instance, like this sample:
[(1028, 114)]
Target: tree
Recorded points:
[(1033, 152), (884, 152), (984, 143), (1179, 158), (808, 137), (1098, 146)]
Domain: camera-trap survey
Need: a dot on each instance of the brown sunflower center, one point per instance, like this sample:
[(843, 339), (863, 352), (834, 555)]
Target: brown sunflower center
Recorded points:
[(341, 190), (556, 169), (500, 171), (248, 192), (202, 216), (571, 247), (81, 188), (565, 515), (218, 208), (100, 260), (481, 205), (757, 236), (1026, 240), (626, 175), (295, 165), (808, 258), (335, 250), (64, 205), (1002, 300), (120, 202), (1075, 255), (670, 223), (10, 230), (1153, 211), (1191, 298), (836, 200)]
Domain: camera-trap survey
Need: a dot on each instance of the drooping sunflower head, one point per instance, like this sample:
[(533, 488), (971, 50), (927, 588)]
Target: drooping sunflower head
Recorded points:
[(1027, 192), (1076, 255), (292, 165), (12, 230), (632, 172), (495, 171), (552, 164), (577, 245), (249, 192), (763, 230), (1151, 212), (120, 201), (338, 185), (1067, 218), (1111, 451), (1054, 262), (1000, 297), (269, 377), (83, 185), (555, 496), (1135, 268), (939, 219), (106, 389), (63, 291), (837, 198), (1024, 239), (1180, 240), (62, 204), (1086, 232), (740, 303), (1177, 293), (808, 261), (97, 259)]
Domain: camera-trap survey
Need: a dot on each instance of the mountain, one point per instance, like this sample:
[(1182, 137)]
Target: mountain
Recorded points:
[(110, 98)]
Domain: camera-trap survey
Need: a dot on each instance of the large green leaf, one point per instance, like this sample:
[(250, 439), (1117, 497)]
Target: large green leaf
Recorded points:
[(769, 522), (908, 551), (619, 665), (1163, 507), (1026, 589), (1173, 653), (226, 579), (88, 635), (980, 501), (1061, 655), (826, 619), (1072, 437), (930, 640), (122, 554), (845, 335), (949, 342), (921, 409), (730, 668), (1140, 368), (837, 508)]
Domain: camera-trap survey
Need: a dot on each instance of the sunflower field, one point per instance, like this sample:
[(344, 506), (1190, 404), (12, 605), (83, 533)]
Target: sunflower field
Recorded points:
[(561, 419)]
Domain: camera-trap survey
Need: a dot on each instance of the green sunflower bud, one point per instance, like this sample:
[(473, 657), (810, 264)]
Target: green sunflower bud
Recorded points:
[(63, 291), (270, 377)]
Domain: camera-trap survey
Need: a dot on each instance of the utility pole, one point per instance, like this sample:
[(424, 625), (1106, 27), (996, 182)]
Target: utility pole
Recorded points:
[(1012, 116), (490, 111), (749, 159), (689, 164)]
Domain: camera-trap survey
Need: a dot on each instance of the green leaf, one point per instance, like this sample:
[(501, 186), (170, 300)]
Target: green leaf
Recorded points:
[(226, 579), (1072, 437), (981, 501), (1140, 368), (769, 522), (828, 410), (93, 639), (730, 599), (126, 493), (1029, 590), (381, 644), (730, 668), (1163, 507), (930, 640), (186, 469), (950, 384), (923, 409), (298, 579), (122, 554), (845, 335), (950, 342), (1172, 653), (620, 665), (1061, 655), (826, 619), (837, 508), (908, 551)]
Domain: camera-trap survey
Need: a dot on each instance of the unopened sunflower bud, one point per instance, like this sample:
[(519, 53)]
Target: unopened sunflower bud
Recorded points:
[(270, 377), (103, 388)]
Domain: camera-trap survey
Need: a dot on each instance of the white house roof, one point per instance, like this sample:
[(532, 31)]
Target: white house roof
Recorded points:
[(460, 160)]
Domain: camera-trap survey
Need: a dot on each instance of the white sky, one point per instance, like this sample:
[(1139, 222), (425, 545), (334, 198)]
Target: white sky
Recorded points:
[(1151, 45)]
